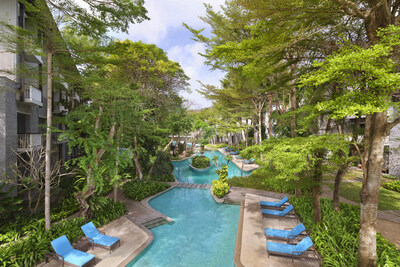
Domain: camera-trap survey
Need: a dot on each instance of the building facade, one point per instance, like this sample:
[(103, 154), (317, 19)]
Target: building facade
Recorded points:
[(23, 100)]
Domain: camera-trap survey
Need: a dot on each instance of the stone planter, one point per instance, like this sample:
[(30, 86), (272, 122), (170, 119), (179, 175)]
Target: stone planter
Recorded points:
[(198, 170)]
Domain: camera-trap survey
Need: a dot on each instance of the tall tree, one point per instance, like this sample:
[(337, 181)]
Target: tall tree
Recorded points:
[(92, 18), (369, 78)]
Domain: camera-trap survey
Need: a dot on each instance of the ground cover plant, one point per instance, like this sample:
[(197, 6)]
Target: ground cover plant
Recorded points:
[(388, 199), (163, 169), (138, 190), (22, 225), (394, 186), (200, 162), (256, 180), (336, 236), (30, 250)]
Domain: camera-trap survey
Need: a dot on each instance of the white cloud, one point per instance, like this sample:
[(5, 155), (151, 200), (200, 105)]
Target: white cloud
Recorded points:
[(193, 65), (165, 30), (164, 14)]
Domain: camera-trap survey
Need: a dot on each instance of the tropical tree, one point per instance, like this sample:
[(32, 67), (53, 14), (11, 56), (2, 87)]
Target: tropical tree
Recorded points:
[(369, 78), (95, 21)]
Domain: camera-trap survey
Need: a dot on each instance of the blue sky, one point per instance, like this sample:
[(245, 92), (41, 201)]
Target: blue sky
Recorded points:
[(165, 30)]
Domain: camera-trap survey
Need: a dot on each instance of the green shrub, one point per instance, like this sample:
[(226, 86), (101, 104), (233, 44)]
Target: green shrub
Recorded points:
[(163, 169), (200, 162), (219, 188), (163, 178), (394, 186), (181, 148), (138, 190), (107, 210), (263, 179), (336, 237), (30, 250), (23, 225), (223, 174)]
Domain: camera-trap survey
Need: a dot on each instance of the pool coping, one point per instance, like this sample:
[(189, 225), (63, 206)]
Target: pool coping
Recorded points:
[(246, 167)]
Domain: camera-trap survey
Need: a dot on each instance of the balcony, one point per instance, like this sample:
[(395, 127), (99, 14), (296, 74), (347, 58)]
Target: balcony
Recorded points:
[(33, 96), (59, 108), (28, 142)]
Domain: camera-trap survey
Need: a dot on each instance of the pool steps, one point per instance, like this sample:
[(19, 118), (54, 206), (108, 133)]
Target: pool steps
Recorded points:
[(154, 223)]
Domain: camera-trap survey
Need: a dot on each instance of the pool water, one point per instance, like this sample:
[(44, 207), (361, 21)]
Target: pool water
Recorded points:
[(184, 174), (203, 232)]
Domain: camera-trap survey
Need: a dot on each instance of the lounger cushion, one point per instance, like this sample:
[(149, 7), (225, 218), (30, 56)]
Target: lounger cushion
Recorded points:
[(90, 230), (274, 204), (285, 233), (105, 240), (278, 212), (300, 248), (61, 245), (78, 257), (276, 232), (281, 248)]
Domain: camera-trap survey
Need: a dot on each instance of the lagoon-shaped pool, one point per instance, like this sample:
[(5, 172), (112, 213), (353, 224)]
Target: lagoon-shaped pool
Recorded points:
[(184, 174), (203, 232)]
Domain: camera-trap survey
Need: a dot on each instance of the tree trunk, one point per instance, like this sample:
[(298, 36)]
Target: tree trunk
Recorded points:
[(293, 106), (317, 178), (48, 142), (136, 160), (83, 196), (260, 125), (376, 131), (269, 115), (338, 180), (316, 203)]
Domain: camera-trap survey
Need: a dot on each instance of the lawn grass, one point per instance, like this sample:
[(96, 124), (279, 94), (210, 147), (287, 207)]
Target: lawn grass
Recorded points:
[(350, 175), (388, 200)]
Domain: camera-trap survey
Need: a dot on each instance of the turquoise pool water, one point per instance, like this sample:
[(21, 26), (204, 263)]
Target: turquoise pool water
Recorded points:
[(184, 174), (203, 234)]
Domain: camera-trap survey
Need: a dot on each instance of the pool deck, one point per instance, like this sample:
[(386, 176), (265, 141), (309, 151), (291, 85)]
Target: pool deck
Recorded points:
[(250, 250), (133, 240), (253, 241), (239, 163)]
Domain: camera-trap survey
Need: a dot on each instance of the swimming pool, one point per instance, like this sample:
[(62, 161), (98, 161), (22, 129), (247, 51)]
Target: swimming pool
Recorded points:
[(203, 232), (184, 174)]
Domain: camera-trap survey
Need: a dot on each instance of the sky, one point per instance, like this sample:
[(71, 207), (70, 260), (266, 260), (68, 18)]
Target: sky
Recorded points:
[(165, 30)]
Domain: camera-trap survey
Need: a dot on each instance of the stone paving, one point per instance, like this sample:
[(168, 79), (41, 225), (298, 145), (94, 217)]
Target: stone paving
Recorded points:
[(239, 163), (253, 246)]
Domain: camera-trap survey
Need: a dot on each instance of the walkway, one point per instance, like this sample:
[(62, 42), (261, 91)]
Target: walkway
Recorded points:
[(239, 163), (251, 248), (253, 241), (198, 186)]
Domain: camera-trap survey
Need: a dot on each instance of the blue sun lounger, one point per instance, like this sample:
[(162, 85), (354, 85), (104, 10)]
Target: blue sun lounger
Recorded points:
[(274, 204), (285, 234), (250, 161), (66, 253), (234, 153), (98, 239), (278, 212), (301, 250)]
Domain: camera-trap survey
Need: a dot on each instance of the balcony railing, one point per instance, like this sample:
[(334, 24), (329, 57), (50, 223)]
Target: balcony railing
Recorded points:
[(33, 95), (59, 108), (29, 141)]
